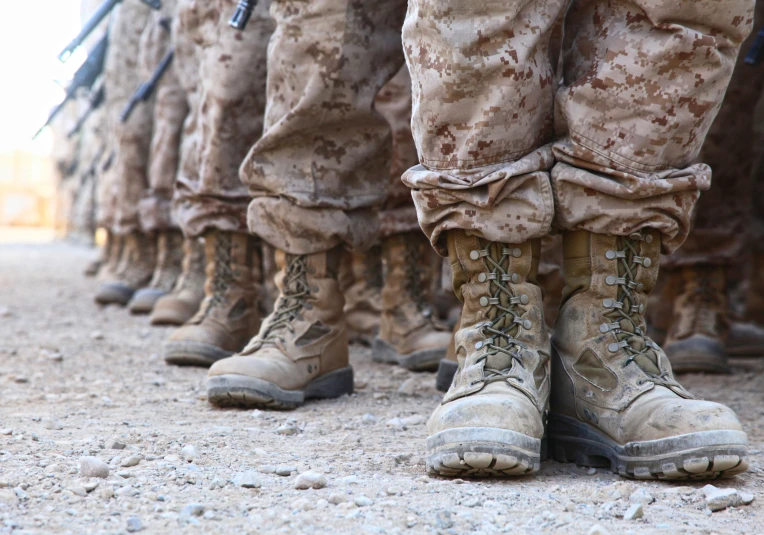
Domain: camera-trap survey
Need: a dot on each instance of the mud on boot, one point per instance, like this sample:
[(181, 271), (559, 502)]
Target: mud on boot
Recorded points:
[(301, 351), (615, 402), (491, 421)]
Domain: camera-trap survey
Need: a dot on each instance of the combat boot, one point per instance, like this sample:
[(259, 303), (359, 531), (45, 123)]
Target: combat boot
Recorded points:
[(408, 334), (301, 351), (746, 338), (700, 323), (491, 420), (660, 304), (136, 267), (183, 302), (615, 402), (108, 270), (92, 269), (166, 272), (229, 316), (363, 297), (448, 364)]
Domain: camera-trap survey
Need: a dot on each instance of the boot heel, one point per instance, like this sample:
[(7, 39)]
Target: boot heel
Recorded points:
[(332, 385)]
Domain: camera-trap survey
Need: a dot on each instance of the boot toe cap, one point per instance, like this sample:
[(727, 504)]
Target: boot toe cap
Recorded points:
[(144, 300), (267, 364), (114, 293), (513, 412)]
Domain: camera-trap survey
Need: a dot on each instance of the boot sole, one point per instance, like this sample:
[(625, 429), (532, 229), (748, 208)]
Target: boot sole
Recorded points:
[(193, 354), (703, 455), (418, 361), (483, 452), (114, 294), (745, 351), (144, 300), (250, 392), (697, 356), (446, 371)]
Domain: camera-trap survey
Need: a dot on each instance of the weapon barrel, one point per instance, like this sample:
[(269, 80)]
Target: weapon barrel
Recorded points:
[(242, 14), (147, 89), (92, 23)]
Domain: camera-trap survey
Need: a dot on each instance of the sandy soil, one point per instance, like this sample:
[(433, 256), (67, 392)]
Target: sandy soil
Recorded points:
[(79, 381)]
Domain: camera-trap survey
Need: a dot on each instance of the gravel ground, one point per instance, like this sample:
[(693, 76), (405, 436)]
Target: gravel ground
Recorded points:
[(84, 392)]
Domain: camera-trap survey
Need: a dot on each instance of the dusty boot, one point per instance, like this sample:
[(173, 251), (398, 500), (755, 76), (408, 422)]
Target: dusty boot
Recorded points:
[(108, 270), (615, 402), (408, 335), (660, 304), (363, 298), (166, 273), (301, 351), (491, 421), (184, 301), (448, 364), (228, 317), (746, 339), (696, 340), (134, 272), (95, 266)]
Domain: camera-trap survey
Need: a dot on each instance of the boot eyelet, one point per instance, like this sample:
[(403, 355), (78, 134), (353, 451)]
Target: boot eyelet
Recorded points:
[(484, 301), (610, 255), (527, 325), (479, 345), (610, 280), (515, 278), (604, 328), (482, 277), (524, 299), (475, 255), (607, 303), (516, 252), (613, 348), (649, 238)]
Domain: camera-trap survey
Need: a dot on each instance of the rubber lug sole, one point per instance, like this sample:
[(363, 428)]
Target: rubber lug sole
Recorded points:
[(483, 452), (703, 455), (144, 300), (446, 371), (418, 361), (250, 392), (193, 354), (112, 293)]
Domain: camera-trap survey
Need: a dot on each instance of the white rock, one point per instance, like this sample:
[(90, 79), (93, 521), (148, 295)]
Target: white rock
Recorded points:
[(248, 480), (310, 480), (718, 499), (132, 460), (93, 467), (303, 504), (336, 498), (285, 470), (369, 419), (79, 490), (189, 453), (634, 512), (134, 524), (641, 496), (363, 501), (287, 429), (596, 529), (409, 387), (114, 444)]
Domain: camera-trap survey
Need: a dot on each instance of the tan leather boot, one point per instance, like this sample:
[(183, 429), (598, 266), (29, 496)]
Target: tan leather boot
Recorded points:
[(491, 420), (448, 364), (301, 351), (700, 324), (660, 304), (92, 269), (166, 272), (108, 270), (746, 338), (409, 334), (135, 270), (228, 317), (363, 297), (184, 301), (615, 402)]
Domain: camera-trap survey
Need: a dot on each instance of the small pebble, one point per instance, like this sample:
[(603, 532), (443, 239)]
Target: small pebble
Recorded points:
[(285, 470), (132, 460), (134, 524), (634, 512), (93, 467), (310, 480), (248, 480), (189, 453), (363, 501), (409, 387)]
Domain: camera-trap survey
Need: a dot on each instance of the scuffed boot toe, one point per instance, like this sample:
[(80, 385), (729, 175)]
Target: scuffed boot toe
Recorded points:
[(144, 300), (114, 293)]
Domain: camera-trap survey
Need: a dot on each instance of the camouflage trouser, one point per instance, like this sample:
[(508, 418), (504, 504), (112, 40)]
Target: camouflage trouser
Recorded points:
[(226, 111), (394, 103), (721, 230), (130, 140), (322, 168), (170, 110), (642, 82)]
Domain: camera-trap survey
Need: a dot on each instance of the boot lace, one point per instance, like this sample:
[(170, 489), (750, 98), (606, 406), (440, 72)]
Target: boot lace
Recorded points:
[(504, 313), (625, 316), (290, 303), (223, 278)]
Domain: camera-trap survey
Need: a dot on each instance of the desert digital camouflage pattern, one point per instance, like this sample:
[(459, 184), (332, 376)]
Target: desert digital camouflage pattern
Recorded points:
[(321, 170), (229, 68), (641, 84)]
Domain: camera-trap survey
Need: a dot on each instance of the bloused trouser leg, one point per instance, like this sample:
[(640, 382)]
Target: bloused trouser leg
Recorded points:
[(322, 166)]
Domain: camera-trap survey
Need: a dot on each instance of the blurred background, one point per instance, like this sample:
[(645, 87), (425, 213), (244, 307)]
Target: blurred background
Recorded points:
[(33, 81)]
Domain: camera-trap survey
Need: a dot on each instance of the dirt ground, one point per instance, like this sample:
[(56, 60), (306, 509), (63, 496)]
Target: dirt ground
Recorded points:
[(81, 381)]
